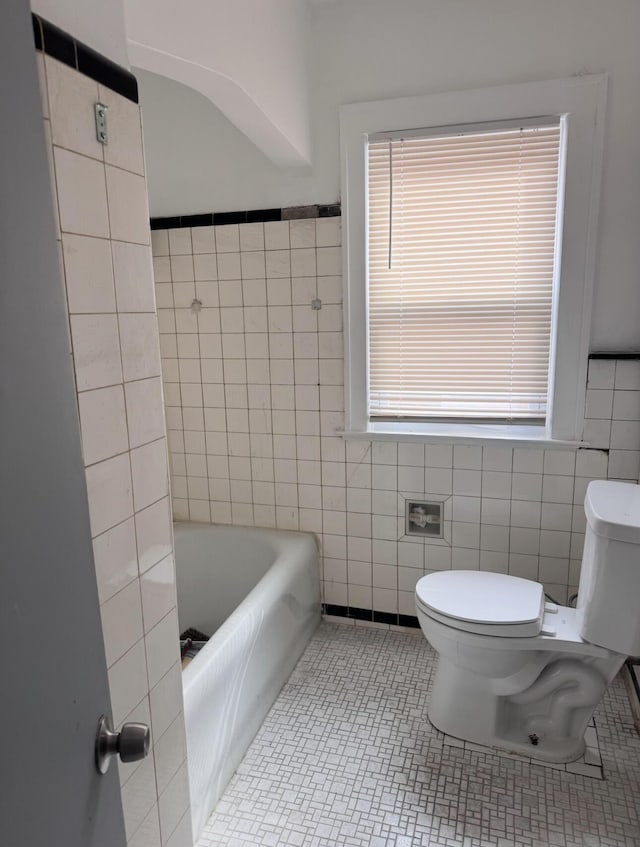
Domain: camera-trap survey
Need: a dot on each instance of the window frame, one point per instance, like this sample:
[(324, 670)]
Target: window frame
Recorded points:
[(581, 103)]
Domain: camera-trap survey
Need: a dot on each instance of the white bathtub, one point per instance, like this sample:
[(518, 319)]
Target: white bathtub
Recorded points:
[(259, 591)]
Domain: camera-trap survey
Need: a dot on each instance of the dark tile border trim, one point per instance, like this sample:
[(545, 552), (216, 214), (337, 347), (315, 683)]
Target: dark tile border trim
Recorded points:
[(65, 48), (628, 356), (249, 217), (371, 615), (631, 663), (410, 621)]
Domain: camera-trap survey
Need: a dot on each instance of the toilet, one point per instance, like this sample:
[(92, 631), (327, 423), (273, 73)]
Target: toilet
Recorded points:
[(521, 673)]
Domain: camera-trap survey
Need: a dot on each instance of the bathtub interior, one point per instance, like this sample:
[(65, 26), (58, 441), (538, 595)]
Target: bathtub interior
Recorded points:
[(218, 566)]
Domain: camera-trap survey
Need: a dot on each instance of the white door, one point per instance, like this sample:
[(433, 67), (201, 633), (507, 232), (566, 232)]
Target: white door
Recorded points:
[(53, 679)]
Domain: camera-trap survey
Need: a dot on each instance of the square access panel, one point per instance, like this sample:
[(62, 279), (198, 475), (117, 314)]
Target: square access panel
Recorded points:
[(423, 519)]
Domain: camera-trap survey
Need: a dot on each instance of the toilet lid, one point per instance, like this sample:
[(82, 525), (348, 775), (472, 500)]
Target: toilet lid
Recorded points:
[(479, 601)]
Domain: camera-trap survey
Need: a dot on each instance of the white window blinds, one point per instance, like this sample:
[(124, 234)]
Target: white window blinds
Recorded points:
[(461, 262)]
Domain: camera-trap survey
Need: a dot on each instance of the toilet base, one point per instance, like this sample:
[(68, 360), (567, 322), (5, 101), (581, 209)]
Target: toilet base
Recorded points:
[(561, 754), (531, 696), (546, 720)]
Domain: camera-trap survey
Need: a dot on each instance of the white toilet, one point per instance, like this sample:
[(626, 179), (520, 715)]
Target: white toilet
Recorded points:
[(523, 674)]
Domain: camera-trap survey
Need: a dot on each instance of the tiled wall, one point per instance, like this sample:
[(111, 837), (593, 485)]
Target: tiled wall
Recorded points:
[(254, 396), (100, 200)]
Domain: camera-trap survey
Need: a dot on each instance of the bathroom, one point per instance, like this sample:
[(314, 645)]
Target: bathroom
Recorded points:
[(257, 135)]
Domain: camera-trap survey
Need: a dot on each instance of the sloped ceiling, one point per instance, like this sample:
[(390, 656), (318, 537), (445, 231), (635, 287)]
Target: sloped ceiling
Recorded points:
[(248, 57)]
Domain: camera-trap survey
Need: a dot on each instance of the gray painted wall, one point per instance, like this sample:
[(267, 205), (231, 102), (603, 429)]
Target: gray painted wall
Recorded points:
[(52, 663)]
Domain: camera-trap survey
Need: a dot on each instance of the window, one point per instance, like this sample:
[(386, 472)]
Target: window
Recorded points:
[(461, 259), (469, 260)]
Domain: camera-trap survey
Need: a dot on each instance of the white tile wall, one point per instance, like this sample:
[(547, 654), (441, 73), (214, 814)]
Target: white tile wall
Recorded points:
[(102, 210), (254, 396)]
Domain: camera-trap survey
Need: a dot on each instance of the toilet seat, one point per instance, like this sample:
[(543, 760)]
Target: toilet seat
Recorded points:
[(483, 603)]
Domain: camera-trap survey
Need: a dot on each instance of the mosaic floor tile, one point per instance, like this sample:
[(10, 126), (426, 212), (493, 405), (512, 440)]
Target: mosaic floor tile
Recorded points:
[(347, 757)]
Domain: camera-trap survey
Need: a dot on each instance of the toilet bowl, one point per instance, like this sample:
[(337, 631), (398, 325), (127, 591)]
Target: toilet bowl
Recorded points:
[(517, 672)]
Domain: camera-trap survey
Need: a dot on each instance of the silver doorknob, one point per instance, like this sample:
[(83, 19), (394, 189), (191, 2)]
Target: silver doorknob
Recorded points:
[(131, 743)]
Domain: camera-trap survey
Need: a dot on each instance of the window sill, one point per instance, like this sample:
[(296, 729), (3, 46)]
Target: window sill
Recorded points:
[(478, 434)]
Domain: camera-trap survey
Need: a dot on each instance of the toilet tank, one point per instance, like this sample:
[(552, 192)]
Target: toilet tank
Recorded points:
[(609, 595)]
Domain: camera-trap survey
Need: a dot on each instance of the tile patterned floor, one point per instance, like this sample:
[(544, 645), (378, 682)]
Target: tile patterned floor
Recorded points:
[(347, 757)]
